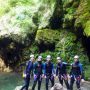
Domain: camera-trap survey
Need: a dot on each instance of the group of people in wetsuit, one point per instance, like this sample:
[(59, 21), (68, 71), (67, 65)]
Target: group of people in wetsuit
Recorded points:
[(49, 72)]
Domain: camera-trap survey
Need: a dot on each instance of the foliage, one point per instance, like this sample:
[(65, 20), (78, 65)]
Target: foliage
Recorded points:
[(47, 36), (87, 72), (83, 15), (87, 29)]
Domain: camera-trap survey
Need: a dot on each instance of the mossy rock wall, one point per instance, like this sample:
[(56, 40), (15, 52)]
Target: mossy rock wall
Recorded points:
[(65, 43)]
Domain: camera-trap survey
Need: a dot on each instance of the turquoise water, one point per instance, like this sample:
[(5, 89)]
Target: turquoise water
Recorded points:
[(8, 81)]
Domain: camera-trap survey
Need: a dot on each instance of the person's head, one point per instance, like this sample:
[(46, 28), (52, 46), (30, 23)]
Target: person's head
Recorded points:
[(48, 58), (76, 58), (32, 57), (39, 58), (59, 59)]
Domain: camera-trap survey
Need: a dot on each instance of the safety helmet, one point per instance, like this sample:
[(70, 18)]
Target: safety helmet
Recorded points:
[(76, 57), (39, 58), (32, 56), (58, 58), (48, 57)]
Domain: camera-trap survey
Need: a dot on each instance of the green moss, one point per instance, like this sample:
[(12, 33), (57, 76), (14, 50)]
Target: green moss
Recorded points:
[(82, 14), (87, 29), (47, 36)]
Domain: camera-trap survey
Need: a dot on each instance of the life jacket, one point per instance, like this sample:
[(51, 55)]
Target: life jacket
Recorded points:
[(38, 68), (61, 68), (48, 68), (76, 69)]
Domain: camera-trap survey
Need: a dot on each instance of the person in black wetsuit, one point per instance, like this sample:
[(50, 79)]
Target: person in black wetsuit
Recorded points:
[(27, 72), (76, 73), (38, 73), (49, 71), (61, 72)]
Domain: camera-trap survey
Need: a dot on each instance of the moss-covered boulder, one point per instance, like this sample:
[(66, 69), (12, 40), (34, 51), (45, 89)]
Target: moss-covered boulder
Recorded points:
[(47, 36), (83, 16)]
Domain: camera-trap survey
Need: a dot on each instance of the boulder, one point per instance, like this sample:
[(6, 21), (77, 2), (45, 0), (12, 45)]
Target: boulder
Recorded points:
[(3, 67), (58, 86), (18, 88)]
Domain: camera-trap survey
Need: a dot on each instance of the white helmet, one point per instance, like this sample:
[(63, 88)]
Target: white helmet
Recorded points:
[(76, 56), (58, 58), (31, 56), (39, 57), (48, 57)]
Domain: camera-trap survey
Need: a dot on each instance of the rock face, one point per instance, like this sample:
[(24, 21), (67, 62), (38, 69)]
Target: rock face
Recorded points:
[(29, 26), (62, 41), (3, 67), (58, 86)]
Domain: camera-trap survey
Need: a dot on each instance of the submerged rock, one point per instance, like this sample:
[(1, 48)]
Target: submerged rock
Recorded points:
[(58, 86), (19, 87)]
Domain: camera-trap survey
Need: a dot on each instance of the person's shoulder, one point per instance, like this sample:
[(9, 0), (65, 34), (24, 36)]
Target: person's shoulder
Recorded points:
[(64, 63), (80, 64), (35, 63), (45, 63), (27, 62)]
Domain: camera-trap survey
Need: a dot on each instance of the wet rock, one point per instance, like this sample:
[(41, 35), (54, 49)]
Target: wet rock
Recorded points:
[(3, 67), (19, 87), (58, 86)]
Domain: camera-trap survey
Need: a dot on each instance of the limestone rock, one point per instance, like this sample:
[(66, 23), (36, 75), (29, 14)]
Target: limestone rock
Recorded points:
[(3, 67), (58, 86)]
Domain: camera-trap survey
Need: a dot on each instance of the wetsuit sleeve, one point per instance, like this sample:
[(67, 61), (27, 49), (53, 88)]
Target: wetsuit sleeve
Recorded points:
[(81, 69), (71, 69), (53, 69), (67, 64), (32, 70), (34, 65), (44, 68), (27, 66), (56, 70)]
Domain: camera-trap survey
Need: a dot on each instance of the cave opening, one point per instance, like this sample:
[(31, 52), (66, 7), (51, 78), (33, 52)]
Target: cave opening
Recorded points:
[(10, 52), (55, 22), (43, 47), (86, 43)]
